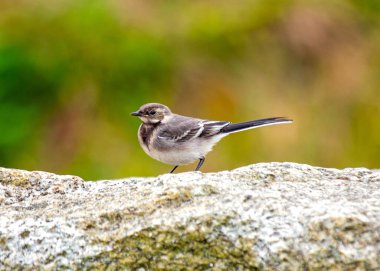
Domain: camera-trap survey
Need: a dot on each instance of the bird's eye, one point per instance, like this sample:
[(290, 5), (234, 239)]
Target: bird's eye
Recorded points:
[(152, 112)]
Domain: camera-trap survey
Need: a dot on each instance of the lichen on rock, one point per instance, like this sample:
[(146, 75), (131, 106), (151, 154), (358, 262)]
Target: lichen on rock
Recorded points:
[(269, 216)]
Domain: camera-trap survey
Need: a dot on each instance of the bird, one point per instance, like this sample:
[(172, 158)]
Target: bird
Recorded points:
[(178, 140)]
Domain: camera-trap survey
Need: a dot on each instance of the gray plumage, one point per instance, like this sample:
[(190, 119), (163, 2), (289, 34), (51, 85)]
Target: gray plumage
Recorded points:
[(179, 140)]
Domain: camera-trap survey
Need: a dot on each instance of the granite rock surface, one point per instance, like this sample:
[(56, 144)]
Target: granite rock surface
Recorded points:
[(268, 216)]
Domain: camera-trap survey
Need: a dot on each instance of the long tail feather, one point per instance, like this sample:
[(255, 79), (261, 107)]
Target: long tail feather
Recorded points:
[(237, 127)]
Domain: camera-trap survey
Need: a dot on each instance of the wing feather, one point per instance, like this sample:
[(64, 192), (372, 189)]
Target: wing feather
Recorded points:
[(212, 128), (181, 129)]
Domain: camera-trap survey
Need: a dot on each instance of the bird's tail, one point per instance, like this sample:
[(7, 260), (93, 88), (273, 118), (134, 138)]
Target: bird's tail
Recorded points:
[(237, 127)]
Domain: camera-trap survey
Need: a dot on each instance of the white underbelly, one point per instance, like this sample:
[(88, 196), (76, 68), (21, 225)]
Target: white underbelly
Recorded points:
[(185, 153), (176, 157)]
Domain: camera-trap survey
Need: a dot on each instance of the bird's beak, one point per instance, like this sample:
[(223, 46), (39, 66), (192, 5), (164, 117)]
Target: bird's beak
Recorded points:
[(136, 114)]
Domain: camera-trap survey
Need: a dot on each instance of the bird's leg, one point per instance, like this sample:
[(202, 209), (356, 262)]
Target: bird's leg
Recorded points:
[(173, 169), (201, 160)]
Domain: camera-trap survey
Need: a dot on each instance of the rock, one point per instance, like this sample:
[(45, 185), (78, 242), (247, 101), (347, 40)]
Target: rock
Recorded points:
[(274, 216)]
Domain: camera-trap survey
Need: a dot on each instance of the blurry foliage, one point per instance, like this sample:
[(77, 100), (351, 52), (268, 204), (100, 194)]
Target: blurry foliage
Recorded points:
[(72, 71)]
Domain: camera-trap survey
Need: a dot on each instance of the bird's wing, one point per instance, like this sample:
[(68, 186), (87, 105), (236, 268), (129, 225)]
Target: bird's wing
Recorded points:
[(182, 129), (211, 128)]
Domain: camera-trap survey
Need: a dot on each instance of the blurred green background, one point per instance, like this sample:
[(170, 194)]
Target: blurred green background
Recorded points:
[(71, 71)]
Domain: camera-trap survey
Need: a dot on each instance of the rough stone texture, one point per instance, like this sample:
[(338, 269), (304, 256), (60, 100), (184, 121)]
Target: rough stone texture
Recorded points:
[(275, 216)]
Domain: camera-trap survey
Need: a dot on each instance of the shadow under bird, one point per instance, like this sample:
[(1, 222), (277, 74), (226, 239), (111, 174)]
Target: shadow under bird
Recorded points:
[(178, 140)]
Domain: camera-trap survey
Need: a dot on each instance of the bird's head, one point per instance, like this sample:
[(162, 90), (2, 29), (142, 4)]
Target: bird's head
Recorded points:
[(152, 113)]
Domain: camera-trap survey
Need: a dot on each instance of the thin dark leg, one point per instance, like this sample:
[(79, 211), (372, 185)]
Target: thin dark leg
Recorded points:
[(173, 169), (200, 164)]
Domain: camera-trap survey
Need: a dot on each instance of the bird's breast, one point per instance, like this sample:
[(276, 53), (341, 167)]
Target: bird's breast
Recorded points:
[(146, 134)]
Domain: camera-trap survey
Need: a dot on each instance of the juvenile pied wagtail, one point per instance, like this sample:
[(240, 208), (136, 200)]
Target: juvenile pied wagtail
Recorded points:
[(178, 140)]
